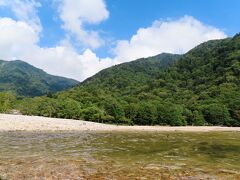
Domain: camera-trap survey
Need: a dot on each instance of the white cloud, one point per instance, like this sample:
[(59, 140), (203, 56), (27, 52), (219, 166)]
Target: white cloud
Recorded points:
[(15, 37), (25, 10), (65, 61), (172, 36), (77, 13), (18, 40), (2, 2)]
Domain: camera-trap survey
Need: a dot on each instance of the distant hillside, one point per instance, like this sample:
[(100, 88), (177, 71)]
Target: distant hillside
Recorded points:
[(131, 75), (202, 87), (25, 80)]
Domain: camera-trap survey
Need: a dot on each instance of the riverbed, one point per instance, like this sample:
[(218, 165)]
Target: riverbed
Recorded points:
[(119, 155), (43, 124)]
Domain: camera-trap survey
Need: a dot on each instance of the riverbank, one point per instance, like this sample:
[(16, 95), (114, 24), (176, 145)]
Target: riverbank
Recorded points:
[(36, 123)]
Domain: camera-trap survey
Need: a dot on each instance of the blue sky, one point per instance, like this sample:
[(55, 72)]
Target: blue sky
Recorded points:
[(223, 14), (127, 16), (77, 38)]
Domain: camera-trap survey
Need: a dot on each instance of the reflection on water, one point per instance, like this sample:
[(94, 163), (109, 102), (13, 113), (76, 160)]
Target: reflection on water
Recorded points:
[(119, 155)]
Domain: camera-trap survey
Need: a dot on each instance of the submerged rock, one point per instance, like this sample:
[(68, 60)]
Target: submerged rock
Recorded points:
[(3, 176)]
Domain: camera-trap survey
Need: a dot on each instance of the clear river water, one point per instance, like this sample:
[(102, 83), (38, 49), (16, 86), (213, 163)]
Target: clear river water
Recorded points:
[(119, 155)]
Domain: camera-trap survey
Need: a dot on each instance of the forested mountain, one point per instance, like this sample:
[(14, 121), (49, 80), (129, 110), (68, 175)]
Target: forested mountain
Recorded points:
[(25, 80), (127, 78), (202, 87), (105, 87)]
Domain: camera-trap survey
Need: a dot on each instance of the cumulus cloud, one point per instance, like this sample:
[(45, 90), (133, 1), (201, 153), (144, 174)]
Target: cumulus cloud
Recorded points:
[(62, 60), (171, 36), (18, 40), (15, 37), (77, 13), (25, 10)]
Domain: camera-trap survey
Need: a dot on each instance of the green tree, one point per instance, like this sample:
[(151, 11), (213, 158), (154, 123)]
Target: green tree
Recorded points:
[(68, 108), (107, 119), (146, 114), (114, 109), (130, 111), (6, 102), (216, 114), (170, 114), (198, 118), (92, 114)]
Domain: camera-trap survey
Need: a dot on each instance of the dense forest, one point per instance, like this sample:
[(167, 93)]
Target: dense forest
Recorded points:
[(22, 79), (201, 87)]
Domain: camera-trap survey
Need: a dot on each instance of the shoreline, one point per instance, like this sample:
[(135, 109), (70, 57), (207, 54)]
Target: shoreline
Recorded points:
[(9, 123)]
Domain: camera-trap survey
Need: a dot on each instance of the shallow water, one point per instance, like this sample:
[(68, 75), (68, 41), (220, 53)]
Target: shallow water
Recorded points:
[(120, 155)]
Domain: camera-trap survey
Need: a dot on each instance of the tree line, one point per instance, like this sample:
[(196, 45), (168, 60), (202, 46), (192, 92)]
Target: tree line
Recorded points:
[(201, 87)]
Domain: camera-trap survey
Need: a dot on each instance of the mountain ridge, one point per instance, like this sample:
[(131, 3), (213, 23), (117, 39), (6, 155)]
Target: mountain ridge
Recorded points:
[(201, 87), (24, 79)]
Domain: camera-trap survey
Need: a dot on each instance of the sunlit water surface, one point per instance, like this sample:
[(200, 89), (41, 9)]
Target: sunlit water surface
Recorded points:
[(120, 155)]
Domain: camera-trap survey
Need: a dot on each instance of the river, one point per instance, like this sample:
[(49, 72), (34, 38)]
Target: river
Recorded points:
[(119, 155)]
